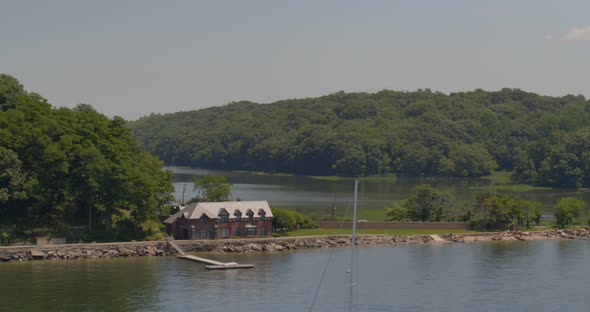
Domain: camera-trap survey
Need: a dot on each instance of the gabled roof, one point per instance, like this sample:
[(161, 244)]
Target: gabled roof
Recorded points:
[(212, 209)]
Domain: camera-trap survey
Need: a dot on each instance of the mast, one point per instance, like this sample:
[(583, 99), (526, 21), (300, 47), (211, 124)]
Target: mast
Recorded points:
[(353, 242)]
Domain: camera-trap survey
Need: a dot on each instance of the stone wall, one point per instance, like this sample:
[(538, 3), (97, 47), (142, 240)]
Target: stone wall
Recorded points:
[(162, 248), (75, 251)]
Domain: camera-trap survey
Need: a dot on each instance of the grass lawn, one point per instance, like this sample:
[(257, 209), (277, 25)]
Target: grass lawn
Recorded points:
[(310, 232)]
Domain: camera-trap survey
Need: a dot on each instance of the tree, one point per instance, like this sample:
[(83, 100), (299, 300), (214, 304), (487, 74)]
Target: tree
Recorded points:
[(12, 178), (397, 211), (568, 209), (282, 219), (212, 188), (10, 90), (61, 167), (501, 210), (424, 204)]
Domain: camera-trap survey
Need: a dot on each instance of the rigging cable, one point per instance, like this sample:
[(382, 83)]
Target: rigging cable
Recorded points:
[(317, 291)]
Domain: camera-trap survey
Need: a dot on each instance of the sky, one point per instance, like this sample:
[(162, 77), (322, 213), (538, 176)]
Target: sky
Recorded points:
[(132, 58)]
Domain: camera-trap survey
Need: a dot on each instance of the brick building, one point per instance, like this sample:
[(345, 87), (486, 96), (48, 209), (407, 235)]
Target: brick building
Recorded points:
[(221, 220)]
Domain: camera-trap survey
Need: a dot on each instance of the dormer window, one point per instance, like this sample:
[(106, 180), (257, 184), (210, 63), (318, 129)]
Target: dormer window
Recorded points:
[(223, 215), (261, 215), (238, 215), (250, 215)]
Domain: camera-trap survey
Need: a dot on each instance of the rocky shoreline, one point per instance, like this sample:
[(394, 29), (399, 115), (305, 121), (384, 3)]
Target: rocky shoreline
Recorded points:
[(279, 244)]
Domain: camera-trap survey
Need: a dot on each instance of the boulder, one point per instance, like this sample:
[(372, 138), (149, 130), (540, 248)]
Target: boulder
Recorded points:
[(37, 254)]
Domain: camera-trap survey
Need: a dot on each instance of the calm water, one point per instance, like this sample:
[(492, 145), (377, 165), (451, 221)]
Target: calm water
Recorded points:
[(318, 196), (493, 276)]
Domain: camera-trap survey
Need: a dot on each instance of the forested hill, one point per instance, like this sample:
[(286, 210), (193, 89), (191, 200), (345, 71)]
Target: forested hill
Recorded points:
[(544, 140)]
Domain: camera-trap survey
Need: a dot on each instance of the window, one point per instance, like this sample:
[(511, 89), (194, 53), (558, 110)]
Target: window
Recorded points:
[(250, 215), (203, 234), (251, 231), (261, 231), (261, 215), (237, 232), (238, 216), (223, 233), (223, 218)]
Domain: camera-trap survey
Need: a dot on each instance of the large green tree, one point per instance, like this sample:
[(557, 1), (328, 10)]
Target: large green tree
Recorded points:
[(568, 209), (212, 188), (426, 203), (64, 167), (500, 210)]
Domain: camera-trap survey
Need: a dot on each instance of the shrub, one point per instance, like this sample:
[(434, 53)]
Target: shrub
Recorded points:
[(567, 210)]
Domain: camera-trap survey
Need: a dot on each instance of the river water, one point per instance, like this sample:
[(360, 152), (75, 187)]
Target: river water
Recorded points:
[(314, 196), (487, 276)]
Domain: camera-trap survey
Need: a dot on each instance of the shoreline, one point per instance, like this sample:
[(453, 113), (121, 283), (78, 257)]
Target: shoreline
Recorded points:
[(271, 244)]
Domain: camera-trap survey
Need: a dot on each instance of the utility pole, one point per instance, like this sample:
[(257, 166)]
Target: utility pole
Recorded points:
[(333, 212)]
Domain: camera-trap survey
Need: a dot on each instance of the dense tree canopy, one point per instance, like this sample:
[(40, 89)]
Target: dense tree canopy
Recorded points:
[(543, 139), (568, 209), (500, 209), (62, 167)]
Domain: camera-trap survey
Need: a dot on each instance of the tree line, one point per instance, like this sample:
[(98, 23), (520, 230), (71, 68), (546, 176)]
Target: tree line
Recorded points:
[(543, 140), (490, 210), (61, 167)]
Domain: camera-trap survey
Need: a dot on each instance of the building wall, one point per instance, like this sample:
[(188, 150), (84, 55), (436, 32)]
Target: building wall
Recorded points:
[(190, 229)]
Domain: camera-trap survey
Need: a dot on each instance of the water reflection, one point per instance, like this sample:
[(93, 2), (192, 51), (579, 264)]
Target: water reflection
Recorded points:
[(312, 195), (491, 276)]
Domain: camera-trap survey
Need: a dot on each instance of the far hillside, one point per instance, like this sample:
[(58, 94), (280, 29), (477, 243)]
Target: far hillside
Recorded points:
[(543, 140)]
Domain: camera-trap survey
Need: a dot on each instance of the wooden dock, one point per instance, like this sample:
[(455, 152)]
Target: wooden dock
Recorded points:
[(200, 259), (212, 264)]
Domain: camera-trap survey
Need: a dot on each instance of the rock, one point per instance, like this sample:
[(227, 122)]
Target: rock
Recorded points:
[(565, 235), (37, 254), (151, 250), (255, 247), (469, 239), (5, 258)]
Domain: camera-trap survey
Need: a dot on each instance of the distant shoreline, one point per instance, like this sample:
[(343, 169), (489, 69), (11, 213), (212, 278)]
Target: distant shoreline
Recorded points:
[(272, 244)]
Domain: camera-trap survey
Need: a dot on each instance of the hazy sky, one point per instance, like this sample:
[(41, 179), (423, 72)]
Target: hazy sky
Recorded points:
[(131, 58)]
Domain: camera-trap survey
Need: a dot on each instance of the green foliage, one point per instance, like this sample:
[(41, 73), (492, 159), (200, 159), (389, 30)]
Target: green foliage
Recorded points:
[(501, 210), (12, 178), (282, 219), (287, 219), (543, 140), (568, 209), (426, 204), (308, 224), (212, 188), (62, 167), (5, 239), (397, 211)]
